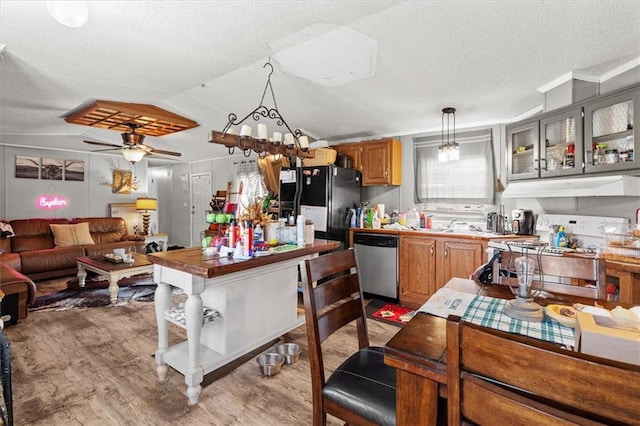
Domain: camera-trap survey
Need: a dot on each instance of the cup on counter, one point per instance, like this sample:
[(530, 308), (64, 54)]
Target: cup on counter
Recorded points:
[(380, 211)]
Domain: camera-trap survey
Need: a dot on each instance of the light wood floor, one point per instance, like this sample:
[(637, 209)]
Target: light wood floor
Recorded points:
[(95, 366)]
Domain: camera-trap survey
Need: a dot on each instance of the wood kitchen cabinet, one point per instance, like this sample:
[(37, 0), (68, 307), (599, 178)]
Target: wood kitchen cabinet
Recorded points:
[(379, 161), (353, 151), (427, 264), (417, 270), (459, 258), (382, 162)]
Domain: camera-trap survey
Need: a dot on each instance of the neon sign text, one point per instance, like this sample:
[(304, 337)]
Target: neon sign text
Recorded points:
[(51, 202)]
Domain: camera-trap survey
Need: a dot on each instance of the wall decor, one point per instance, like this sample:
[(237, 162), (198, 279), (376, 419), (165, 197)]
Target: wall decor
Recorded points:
[(51, 169), (74, 170), (51, 202), (27, 167), (122, 180)]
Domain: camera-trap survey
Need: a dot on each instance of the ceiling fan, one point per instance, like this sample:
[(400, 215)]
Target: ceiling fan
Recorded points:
[(133, 148)]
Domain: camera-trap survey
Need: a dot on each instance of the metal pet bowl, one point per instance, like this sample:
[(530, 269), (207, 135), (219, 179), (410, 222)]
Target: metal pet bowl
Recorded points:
[(270, 363), (290, 351)]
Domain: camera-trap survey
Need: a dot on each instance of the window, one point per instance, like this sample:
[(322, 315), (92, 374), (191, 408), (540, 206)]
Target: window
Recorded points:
[(469, 180)]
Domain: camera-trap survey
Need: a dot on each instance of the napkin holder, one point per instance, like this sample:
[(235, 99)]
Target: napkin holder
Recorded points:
[(599, 336)]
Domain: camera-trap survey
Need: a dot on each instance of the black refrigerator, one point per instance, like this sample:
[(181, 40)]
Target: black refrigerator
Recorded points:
[(323, 194)]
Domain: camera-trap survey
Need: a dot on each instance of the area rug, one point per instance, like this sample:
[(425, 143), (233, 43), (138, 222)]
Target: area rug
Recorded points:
[(390, 313), (139, 288)]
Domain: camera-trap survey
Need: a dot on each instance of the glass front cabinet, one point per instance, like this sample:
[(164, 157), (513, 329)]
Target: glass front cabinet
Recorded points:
[(548, 147), (554, 144), (561, 150), (523, 159), (611, 142)]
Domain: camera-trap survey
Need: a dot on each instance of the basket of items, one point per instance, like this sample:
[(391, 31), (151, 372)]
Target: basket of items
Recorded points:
[(323, 157)]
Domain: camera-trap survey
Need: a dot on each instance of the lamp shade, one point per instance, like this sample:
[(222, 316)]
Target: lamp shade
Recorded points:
[(133, 155), (146, 204)]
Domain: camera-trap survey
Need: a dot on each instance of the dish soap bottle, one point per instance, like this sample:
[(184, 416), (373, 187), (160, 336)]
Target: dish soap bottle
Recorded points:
[(561, 237)]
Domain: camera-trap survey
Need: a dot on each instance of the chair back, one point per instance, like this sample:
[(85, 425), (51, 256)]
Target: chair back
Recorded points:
[(496, 377), (583, 276), (332, 299)]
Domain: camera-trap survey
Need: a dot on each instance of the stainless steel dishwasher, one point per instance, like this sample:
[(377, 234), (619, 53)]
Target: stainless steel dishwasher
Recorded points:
[(377, 256)]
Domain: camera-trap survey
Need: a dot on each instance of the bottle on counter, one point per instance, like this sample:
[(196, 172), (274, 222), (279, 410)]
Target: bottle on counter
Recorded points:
[(247, 239), (561, 238), (233, 233), (300, 231), (412, 219), (257, 233)]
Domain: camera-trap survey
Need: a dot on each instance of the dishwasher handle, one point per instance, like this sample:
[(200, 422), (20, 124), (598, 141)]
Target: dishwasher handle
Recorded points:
[(375, 240)]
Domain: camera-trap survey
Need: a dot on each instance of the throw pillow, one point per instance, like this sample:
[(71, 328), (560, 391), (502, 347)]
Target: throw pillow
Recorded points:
[(6, 231), (71, 235)]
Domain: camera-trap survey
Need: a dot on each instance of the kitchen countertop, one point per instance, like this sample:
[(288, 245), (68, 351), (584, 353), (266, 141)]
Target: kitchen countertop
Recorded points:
[(190, 259), (485, 236)]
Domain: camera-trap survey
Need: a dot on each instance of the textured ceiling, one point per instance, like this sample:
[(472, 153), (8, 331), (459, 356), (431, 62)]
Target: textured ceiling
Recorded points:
[(204, 60)]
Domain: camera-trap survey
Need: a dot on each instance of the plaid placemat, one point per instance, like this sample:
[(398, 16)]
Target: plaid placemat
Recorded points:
[(489, 312)]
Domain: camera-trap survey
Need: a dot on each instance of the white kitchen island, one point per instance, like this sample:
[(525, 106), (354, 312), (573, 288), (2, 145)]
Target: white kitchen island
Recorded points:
[(257, 300)]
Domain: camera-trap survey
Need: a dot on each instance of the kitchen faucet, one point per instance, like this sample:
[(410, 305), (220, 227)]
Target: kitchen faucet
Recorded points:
[(455, 221)]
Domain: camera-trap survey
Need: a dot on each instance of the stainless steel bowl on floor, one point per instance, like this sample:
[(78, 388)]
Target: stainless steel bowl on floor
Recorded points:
[(290, 351), (270, 363)]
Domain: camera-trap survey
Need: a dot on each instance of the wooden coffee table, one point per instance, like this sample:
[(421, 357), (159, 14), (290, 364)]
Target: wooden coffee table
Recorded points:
[(113, 271)]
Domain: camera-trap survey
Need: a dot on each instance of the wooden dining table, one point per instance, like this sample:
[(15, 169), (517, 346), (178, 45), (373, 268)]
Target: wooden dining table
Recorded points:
[(418, 352)]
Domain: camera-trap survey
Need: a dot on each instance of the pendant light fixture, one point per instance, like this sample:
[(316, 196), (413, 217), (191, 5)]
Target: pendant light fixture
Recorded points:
[(294, 145), (449, 150)]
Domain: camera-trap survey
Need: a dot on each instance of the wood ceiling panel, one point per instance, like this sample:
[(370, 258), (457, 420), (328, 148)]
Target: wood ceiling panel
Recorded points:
[(151, 120)]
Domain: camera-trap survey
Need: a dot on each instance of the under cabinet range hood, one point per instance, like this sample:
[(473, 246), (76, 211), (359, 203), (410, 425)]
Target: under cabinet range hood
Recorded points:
[(598, 186)]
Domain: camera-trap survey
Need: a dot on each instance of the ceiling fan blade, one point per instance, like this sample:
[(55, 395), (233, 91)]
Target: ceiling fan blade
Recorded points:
[(103, 144), (161, 151), (108, 149)]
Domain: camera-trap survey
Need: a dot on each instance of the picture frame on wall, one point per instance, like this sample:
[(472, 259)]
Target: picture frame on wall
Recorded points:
[(74, 170), (122, 180), (51, 169), (27, 167)]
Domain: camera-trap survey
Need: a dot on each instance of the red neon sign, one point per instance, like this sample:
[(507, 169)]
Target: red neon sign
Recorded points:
[(51, 202)]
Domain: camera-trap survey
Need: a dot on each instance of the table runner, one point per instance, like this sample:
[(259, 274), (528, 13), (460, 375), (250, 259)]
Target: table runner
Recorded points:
[(489, 312)]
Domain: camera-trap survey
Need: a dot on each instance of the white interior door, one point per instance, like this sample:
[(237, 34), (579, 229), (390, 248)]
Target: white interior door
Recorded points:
[(200, 198)]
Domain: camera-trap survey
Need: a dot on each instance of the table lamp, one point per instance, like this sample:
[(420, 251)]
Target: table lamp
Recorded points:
[(145, 205)]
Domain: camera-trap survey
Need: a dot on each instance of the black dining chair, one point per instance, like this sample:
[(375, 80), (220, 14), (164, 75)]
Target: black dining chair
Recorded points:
[(362, 390)]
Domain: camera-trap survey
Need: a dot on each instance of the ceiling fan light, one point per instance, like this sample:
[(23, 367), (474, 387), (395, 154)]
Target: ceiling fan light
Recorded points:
[(133, 155), (72, 14)]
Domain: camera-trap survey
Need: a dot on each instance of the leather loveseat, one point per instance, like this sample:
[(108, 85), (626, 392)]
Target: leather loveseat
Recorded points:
[(33, 255)]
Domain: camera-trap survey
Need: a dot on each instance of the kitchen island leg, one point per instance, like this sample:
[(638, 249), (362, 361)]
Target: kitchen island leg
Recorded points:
[(193, 309), (162, 304)]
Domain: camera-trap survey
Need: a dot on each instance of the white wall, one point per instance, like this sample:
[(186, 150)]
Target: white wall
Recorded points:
[(90, 197)]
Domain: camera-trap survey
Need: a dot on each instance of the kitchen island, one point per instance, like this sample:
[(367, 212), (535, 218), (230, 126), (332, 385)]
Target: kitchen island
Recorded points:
[(233, 306)]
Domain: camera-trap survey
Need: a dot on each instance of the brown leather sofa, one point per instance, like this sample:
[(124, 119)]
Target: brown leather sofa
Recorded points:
[(31, 254)]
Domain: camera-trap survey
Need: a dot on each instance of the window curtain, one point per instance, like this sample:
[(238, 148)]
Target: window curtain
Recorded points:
[(248, 178), (469, 180)]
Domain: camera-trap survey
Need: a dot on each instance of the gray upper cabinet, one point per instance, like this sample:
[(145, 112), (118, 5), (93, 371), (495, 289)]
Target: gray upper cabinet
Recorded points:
[(554, 144), (611, 142), (523, 160), (561, 151), (546, 147)]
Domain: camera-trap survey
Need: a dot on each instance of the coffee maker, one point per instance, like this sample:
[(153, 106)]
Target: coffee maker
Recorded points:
[(523, 222)]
